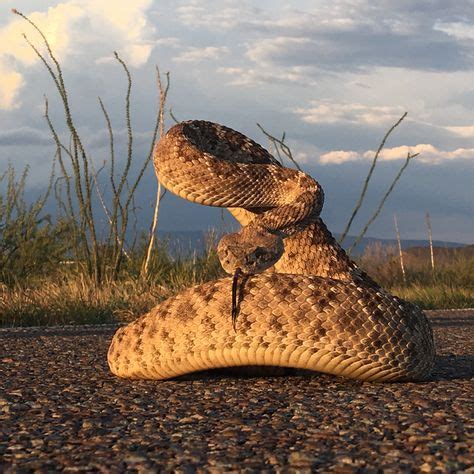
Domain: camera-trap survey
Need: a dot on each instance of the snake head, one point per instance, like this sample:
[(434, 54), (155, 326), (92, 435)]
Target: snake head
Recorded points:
[(252, 250)]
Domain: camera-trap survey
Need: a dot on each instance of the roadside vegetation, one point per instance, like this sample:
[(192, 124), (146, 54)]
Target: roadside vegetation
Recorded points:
[(86, 262), (445, 282)]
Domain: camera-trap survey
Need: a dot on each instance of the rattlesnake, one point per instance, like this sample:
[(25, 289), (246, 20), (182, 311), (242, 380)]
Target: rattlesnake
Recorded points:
[(301, 302)]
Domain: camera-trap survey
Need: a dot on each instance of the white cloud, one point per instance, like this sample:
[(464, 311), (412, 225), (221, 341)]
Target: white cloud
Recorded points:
[(170, 41), (428, 154), (11, 83), (255, 76), (218, 15), (333, 112), (298, 21), (466, 131), (341, 15), (265, 50), (199, 54), (73, 28), (459, 30), (124, 22), (341, 34), (338, 156), (14, 49)]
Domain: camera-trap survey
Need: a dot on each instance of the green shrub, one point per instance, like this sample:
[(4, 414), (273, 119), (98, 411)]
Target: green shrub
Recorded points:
[(30, 243)]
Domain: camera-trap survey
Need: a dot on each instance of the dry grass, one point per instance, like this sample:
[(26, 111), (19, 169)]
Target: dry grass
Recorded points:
[(451, 285), (72, 298), (437, 296), (76, 301)]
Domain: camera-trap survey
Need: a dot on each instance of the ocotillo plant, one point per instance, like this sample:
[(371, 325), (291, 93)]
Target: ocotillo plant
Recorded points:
[(75, 188)]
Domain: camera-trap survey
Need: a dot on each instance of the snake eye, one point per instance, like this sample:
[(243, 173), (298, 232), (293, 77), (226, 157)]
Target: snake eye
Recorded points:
[(259, 252)]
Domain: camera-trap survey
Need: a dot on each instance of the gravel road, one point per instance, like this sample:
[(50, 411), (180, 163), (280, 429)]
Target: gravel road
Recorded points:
[(60, 409)]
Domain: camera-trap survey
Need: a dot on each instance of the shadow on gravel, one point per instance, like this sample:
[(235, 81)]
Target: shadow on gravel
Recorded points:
[(447, 367), (453, 367)]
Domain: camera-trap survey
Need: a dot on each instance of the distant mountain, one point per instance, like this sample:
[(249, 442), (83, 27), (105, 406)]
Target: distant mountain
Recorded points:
[(186, 242), (406, 243)]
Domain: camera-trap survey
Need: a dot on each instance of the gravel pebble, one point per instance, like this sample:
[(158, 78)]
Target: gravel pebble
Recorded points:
[(61, 409)]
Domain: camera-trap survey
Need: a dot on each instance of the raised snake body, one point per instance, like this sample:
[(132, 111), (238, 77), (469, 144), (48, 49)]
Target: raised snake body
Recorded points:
[(313, 309)]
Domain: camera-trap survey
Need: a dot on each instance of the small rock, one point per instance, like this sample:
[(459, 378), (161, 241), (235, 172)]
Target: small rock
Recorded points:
[(425, 467)]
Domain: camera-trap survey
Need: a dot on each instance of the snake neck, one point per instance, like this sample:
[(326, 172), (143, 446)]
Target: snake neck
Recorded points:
[(314, 251)]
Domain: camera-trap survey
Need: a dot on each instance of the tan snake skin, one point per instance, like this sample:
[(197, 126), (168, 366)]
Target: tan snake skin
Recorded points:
[(314, 309)]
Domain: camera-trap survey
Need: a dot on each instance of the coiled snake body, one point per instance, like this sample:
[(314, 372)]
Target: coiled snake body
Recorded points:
[(301, 301)]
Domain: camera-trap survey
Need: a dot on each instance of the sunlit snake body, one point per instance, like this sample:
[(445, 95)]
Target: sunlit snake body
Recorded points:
[(314, 309)]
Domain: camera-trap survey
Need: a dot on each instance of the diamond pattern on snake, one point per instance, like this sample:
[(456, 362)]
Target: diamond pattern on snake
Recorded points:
[(293, 297)]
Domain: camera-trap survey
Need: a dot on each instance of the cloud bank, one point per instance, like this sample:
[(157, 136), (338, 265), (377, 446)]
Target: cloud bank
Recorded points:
[(333, 74), (428, 154), (74, 29)]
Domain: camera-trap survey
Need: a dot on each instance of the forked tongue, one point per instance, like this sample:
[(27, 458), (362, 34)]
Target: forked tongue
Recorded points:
[(235, 284)]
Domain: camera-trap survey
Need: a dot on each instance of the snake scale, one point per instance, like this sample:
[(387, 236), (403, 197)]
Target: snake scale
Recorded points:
[(300, 301)]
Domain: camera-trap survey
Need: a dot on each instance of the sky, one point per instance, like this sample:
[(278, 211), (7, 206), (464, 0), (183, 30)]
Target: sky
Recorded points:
[(333, 75)]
